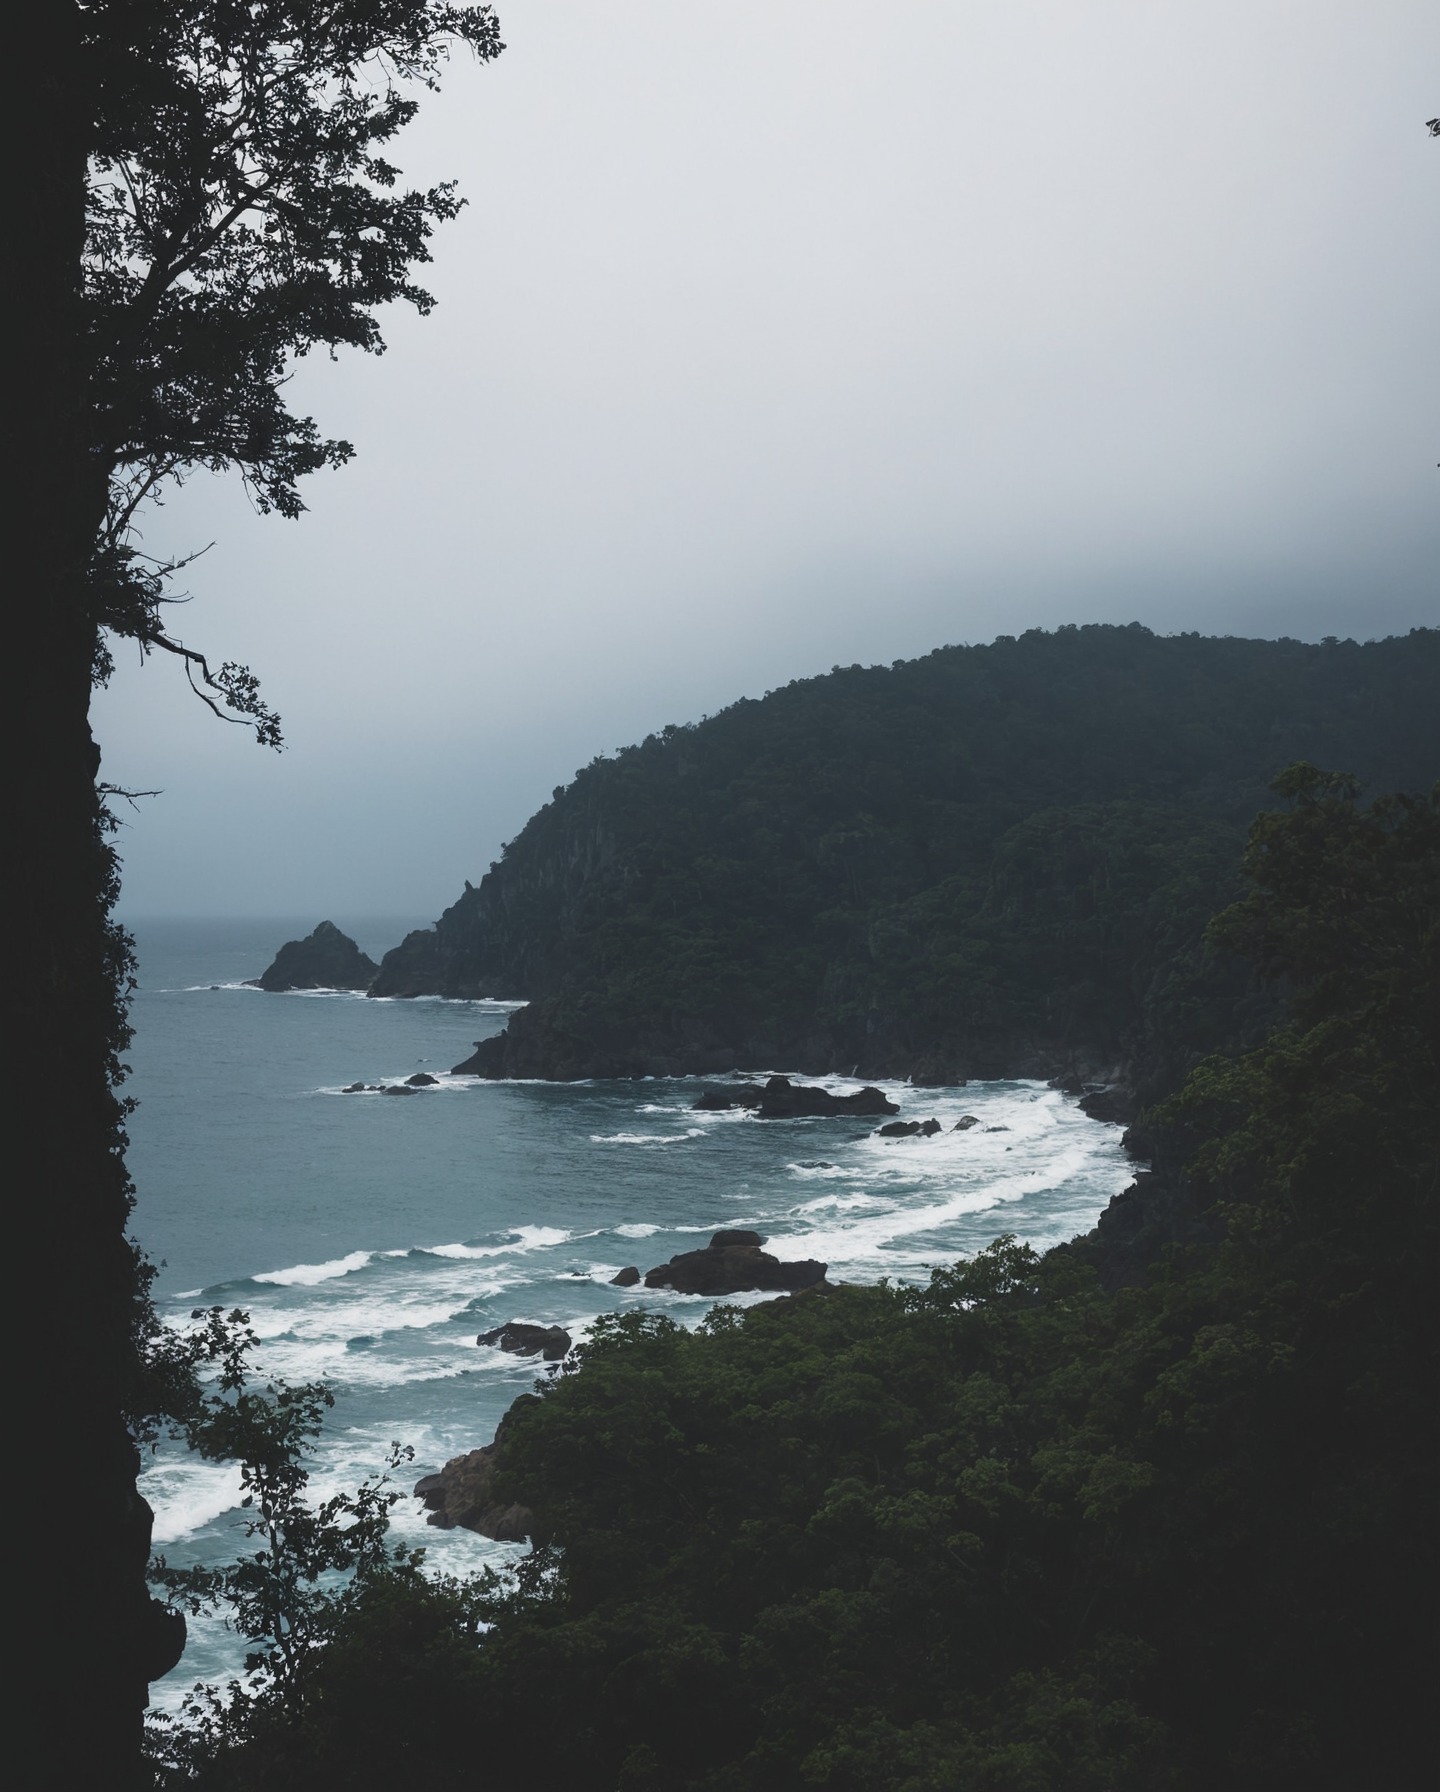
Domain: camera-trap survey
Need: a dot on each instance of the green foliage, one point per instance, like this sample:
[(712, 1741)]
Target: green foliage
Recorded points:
[(1006, 1530), (296, 1594), (242, 212), (986, 861)]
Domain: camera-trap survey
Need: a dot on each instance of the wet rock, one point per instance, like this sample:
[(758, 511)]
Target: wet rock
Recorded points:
[(522, 1339), (1112, 1104), (739, 1095), (396, 1089), (783, 1100), (734, 1269), (422, 1079), (353, 1089), (725, 1240), (965, 1122), (463, 1493), (627, 1277)]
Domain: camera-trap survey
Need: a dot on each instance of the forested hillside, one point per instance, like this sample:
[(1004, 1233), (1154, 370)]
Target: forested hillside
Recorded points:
[(1008, 1531), (992, 860)]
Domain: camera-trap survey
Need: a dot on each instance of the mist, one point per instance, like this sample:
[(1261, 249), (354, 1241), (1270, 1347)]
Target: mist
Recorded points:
[(781, 336)]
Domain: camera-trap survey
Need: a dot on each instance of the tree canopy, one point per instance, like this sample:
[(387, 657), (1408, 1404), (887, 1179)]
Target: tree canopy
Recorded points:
[(1006, 1530), (242, 212)]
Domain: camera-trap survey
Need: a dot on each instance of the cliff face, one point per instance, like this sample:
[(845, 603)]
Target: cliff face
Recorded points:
[(508, 938), (995, 860)]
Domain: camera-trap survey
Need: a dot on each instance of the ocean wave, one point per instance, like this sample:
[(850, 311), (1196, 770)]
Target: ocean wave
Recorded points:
[(187, 1495), (306, 1275), (638, 1230), (646, 1138), (523, 1238)]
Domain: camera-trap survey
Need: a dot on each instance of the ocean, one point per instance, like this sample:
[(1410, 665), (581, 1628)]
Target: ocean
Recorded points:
[(371, 1238)]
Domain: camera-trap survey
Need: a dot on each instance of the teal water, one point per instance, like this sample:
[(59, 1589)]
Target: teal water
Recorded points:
[(372, 1237)]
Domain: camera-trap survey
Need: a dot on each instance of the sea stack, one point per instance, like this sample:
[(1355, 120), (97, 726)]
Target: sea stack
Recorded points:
[(326, 959)]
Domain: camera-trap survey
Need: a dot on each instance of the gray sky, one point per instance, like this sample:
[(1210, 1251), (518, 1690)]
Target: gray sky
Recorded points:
[(782, 334)]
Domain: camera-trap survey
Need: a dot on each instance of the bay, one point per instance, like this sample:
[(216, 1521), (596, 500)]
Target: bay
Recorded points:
[(371, 1237)]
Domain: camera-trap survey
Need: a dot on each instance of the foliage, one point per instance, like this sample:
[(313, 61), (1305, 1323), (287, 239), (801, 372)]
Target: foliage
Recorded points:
[(1007, 1530), (988, 860), (316, 1562), (242, 212)]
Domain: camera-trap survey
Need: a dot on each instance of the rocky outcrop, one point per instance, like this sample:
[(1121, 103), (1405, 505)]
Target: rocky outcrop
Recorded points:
[(780, 1099), (718, 1101), (734, 1263), (627, 1277), (552, 1342), (325, 959), (464, 1494), (909, 1129)]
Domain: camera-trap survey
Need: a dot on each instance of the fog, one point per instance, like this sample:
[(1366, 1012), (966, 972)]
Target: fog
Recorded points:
[(783, 335)]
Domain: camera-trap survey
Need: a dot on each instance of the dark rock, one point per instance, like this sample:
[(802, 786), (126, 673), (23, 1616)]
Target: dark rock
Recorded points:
[(1113, 1104), (627, 1277), (734, 1269), (724, 1240), (463, 1493), (326, 959), (353, 1089), (422, 1079), (930, 1128), (1142, 1224), (783, 1100), (162, 1640), (898, 1129), (965, 1122), (521, 1339), (397, 1089), (739, 1095)]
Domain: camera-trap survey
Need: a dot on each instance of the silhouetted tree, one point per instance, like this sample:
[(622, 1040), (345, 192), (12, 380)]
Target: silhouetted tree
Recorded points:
[(202, 195)]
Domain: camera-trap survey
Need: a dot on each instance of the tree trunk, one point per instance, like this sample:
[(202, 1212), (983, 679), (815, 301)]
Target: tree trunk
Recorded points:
[(85, 1628)]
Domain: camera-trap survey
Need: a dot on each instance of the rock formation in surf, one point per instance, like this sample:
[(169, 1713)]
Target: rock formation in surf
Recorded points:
[(325, 959)]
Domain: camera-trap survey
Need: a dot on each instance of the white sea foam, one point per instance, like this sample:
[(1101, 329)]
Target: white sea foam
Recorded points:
[(526, 1238), (187, 1494), (646, 1138), (306, 1275), (639, 1230)]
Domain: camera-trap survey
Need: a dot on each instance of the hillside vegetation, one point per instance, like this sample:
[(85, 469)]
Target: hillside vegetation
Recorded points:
[(1007, 1532), (993, 860)]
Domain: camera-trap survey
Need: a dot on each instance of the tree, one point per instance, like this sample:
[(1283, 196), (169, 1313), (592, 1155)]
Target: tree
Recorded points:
[(206, 198)]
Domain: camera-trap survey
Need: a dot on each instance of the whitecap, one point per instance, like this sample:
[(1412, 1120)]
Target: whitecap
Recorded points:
[(645, 1138), (638, 1230), (185, 1496), (306, 1275)]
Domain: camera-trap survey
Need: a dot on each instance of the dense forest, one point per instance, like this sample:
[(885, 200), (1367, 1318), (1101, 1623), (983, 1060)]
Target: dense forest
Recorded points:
[(992, 860), (1010, 1530)]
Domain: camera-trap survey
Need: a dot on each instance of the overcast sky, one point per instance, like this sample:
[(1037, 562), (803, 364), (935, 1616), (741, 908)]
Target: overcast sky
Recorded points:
[(782, 334)]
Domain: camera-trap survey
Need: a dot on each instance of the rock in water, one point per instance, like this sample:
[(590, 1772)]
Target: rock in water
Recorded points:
[(627, 1277), (463, 1493), (733, 1263), (327, 959), (521, 1339), (783, 1100)]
